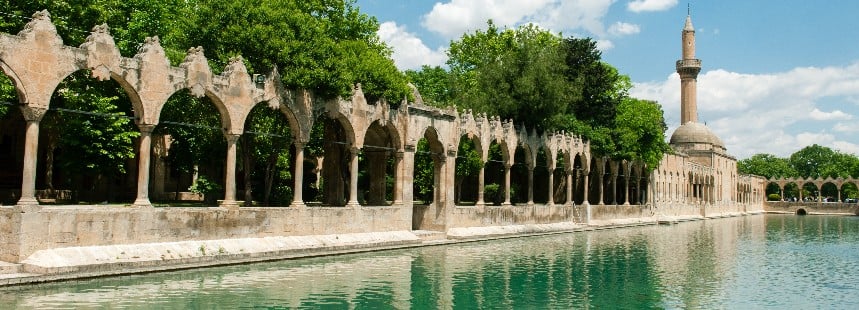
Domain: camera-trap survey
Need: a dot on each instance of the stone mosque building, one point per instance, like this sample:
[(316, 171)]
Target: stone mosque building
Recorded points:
[(557, 180), (701, 172)]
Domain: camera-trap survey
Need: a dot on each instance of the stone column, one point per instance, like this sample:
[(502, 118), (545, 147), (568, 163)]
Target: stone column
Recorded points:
[(585, 191), (551, 200), (298, 188), (143, 160), (601, 187), (781, 192), (33, 115), (530, 185), (839, 194), (570, 187), (626, 190), (353, 177), (398, 178), (614, 189), (480, 183), (507, 184), (230, 173), (407, 176)]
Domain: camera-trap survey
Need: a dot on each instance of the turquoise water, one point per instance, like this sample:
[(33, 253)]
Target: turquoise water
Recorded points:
[(771, 261)]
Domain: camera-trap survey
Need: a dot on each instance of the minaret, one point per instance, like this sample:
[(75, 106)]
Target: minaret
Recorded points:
[(688, 68)]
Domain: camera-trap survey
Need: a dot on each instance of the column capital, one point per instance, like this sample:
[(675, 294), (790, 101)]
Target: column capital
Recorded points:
[(146, 128), (299, 144), (33, 114), (232, 137)]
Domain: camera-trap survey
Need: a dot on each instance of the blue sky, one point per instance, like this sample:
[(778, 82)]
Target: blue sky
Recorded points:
[(777, 75)]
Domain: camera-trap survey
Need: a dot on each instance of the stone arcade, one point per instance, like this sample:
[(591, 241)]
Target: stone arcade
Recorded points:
[(700, 180)]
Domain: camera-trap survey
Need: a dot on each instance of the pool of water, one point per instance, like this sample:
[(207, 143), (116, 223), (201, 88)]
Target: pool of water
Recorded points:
[(765, 261)]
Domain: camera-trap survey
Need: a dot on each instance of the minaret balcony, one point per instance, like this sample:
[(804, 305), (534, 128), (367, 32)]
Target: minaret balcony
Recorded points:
[(688, 68), (685, 64)]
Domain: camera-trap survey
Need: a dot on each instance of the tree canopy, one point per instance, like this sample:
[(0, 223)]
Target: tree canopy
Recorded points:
[(811, 161), (550, 83)]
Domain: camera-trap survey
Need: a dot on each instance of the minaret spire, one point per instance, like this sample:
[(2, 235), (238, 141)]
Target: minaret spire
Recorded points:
[(688, 67)]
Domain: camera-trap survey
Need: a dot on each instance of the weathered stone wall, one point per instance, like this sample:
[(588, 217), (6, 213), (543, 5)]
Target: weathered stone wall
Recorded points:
[(470, 216), (9, 220), (813, 207), (617, 212), (57, 227)]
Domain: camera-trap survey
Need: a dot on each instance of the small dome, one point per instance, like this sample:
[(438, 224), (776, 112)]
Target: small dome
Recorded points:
[(692, 132)]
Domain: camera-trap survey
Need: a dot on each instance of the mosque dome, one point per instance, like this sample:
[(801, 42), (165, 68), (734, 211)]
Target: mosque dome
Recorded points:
[(693, 132)]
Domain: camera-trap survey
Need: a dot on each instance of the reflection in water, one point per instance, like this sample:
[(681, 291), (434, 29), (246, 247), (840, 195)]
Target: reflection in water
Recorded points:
[(771, 261)]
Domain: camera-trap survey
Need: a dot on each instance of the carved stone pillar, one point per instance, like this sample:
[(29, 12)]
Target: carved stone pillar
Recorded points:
[(530, 185), (551, 200), (570, 187), (230, 173), (143, 161), (480, 182), (353, 177), (33, 115), (398, 178), (601, 186), (781, 192), (585, 184), (507, 184), (613, 189), (626, 190), (298, 188)]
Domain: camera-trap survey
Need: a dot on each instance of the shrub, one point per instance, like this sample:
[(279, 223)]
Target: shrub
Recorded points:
[(208, 188), (773, 197)]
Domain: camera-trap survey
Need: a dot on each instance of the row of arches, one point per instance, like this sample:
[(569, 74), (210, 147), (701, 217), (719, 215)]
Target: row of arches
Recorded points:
[(827, 189), (379, 140), (336, 152), (679, 180)]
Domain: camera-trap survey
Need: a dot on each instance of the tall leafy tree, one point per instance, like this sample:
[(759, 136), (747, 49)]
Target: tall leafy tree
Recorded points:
[(766, 165), (434, 84), (639, 131), (513, 73), (322, 45), (818, 161)]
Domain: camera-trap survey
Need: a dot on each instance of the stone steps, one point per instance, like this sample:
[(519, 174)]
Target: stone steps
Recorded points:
[(430, 235), (9, 268)]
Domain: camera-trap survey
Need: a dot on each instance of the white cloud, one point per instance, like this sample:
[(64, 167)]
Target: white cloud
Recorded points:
[(846, 127), (808, 138), (775, 113), (604, 45), (620, 29), (409, 51), (455, 17), (818, 115), (650, 5), (847, 147)]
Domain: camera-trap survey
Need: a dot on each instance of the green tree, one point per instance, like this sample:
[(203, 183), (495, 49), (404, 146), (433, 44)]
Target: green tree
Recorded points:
[(265, 156), (323, 45), (513, 73), (468, 163), (434, 84), (819, 161), (98, 145), (196, 140), (766, 165), (639, 131), (424, 173)]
